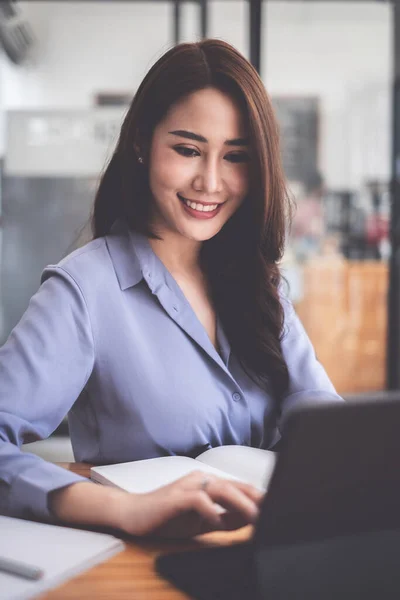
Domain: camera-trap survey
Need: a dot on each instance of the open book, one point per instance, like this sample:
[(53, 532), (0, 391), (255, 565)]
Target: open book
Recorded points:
[(242, 463)]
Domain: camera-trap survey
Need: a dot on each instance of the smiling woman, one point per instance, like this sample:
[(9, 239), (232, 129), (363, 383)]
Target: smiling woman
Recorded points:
[(169, 333), (198, 173), (201, 131)]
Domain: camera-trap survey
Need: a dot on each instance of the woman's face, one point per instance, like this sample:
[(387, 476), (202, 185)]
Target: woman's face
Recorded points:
[(198, 167)]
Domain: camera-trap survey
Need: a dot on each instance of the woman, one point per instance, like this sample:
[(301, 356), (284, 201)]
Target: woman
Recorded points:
[(168, 333)]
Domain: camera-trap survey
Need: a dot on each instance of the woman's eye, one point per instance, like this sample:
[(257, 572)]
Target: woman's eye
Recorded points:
[(237, 157), (188, 152)]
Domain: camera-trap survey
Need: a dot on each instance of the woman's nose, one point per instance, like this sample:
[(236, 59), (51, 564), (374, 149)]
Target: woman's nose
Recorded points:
[(208, 180)]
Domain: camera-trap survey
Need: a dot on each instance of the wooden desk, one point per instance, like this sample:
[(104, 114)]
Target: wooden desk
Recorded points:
[(131, 574)]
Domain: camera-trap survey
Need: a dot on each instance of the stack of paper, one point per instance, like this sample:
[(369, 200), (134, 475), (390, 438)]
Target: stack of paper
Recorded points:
[(60, 552)]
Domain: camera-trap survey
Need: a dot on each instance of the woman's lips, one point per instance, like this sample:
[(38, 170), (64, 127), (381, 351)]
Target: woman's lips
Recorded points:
[(199, 214)]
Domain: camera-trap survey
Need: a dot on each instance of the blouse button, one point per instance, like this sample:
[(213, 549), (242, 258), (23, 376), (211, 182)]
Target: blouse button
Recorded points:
[(236, 396)]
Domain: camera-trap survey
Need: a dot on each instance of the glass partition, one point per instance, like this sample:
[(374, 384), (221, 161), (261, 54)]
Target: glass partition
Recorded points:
[(328, 67)]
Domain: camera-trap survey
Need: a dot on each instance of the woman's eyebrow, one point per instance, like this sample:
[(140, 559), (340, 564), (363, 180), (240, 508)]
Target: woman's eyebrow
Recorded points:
[(199, 138)]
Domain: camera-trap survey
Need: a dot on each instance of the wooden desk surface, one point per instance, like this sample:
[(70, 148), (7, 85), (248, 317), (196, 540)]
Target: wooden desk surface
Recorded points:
[(131, 574)]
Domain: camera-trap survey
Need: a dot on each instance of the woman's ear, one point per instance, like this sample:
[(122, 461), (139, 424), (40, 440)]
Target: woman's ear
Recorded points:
[(141, 153), (138, 153)]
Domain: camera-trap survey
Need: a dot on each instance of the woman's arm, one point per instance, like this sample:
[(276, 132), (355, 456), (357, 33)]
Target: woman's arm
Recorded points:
[(308, 380), (184, 508), (44, 365)]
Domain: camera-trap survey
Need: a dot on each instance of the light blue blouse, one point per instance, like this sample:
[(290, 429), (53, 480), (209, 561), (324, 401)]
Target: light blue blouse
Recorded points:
[(110, 339)]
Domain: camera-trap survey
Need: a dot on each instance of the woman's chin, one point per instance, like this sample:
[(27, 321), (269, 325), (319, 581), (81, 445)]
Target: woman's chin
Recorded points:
[(200, 234)]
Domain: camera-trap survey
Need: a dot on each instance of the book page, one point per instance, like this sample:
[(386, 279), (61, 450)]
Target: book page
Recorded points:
[(142, 476), (251, 465)]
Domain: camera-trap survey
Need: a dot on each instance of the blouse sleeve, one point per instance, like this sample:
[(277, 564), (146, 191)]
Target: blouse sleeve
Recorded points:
[(308, 381), (44, 365)]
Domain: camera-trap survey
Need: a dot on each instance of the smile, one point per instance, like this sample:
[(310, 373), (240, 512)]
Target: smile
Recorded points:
[(198, 206)]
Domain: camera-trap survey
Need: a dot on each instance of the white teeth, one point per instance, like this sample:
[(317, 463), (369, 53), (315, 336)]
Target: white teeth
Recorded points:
[(200, 207)]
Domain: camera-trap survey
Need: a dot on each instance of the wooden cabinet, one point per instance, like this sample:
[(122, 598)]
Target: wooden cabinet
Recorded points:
[(344, 311)]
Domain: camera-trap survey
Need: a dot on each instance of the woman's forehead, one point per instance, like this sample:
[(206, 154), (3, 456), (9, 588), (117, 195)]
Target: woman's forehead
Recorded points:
[(207, 112)]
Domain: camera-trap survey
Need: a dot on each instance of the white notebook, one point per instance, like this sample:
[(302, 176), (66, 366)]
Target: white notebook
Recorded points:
[(243, 463), (61, 552)]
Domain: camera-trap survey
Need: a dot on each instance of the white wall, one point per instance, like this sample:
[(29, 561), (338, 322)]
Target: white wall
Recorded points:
[(84, 47), (340, 52)]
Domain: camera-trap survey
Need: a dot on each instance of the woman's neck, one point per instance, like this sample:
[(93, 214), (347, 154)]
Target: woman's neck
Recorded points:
[(180, 255)]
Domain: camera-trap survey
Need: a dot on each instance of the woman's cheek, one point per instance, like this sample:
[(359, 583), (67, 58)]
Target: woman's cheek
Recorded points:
[(164, 174), (171, 169), (240, 184)]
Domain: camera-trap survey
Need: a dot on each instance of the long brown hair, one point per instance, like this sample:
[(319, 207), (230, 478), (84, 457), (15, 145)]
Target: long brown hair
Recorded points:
[(241, 261)]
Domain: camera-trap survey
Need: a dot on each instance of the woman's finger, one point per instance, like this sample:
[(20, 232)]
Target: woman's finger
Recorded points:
[(252, 492), (197, 515), (205, 494), (197, 478), (233, 498), (202, 503)]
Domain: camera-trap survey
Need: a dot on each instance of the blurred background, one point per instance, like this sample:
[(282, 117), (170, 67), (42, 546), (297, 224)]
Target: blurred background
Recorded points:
[(67, 73)]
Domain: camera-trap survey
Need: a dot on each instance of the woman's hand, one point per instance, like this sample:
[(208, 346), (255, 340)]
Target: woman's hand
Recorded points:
[(190, 506), (184, 508)]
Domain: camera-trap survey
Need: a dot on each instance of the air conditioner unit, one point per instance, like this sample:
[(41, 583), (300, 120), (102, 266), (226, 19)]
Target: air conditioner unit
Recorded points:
[(16, 37)]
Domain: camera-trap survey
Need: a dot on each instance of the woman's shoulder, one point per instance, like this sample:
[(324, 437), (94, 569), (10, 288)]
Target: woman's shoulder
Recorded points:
[(85, 257), (101, 263), (85, 264)]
